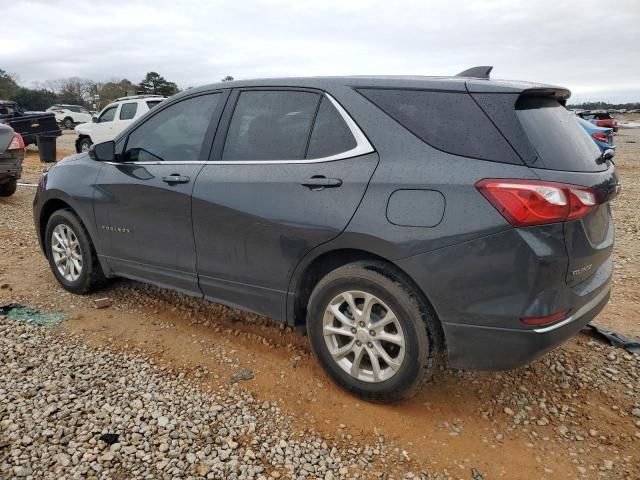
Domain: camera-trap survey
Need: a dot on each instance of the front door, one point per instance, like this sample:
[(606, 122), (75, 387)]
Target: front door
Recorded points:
[(103, 129), (143, 202), (290, 176)]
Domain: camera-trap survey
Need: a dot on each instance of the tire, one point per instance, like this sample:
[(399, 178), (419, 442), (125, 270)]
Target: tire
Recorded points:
[(84, 144), (68, 123), (9, 188), (89, 277), (412, 361)]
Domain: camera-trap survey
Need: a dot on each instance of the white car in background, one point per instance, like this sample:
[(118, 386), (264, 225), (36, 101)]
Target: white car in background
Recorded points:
[(70, 115), (113, 119)]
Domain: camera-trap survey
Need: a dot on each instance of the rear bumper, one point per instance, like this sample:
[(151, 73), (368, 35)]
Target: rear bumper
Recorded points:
[(487, 348), (10, 165)]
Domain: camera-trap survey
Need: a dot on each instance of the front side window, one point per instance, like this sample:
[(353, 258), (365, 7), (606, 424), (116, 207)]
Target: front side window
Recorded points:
[(108, 115), (270, 125), (174, 134), (128, 111)]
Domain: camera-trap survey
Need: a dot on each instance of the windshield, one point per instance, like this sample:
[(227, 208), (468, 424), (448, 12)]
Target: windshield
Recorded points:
[(559, 140)]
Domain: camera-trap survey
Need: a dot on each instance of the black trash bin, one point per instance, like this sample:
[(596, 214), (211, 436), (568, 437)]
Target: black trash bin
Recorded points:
[(47, 148)]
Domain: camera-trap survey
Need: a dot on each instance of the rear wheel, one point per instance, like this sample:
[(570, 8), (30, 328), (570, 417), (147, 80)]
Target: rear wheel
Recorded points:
[(68, 123), (71, 254), (9, 188), (371, 333)]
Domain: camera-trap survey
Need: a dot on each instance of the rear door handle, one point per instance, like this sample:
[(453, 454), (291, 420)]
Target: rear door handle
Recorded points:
[(175, 178), (318, 182)]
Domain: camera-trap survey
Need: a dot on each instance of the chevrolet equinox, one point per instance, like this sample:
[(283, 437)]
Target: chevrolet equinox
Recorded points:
[(406, 221)]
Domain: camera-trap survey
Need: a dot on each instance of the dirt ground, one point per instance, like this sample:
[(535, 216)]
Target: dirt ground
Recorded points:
[(575, 413)]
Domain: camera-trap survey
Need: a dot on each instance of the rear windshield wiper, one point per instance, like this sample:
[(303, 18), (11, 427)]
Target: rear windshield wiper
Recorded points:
[(606, 156)]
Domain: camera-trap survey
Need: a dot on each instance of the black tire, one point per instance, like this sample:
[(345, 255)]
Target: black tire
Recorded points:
[(91, 276), (68, 123), (422, 332), (9, 188), (85, 142)]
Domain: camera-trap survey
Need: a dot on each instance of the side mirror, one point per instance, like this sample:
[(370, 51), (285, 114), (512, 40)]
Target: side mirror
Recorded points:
[(103, 152), (94, 119)]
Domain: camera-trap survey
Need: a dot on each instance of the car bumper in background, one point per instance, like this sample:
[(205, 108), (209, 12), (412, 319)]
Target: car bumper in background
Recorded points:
[(11, 165)]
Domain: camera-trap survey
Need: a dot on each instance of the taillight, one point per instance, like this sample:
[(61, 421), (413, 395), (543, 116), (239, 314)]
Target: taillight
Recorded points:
[(534, 202), (600, 137), (16, 142)]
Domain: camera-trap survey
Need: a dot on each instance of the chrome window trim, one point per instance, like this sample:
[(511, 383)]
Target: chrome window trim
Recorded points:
[(579, 313), (363, 147)]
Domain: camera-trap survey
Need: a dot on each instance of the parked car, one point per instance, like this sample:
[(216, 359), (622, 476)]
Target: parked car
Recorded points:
[(28, 124), (70, 115), (600, 119), (406, 221), (603, 137), (11, 157), (113, 119)]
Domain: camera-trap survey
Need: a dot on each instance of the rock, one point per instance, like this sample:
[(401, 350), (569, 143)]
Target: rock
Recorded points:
[(102, 302), (607, 465), (164, 447), (109, 438), (163, 421), (240, 375), (508, 411)]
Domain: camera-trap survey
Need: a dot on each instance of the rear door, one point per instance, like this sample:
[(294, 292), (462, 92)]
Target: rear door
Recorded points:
[(143, 202), (287, 173)]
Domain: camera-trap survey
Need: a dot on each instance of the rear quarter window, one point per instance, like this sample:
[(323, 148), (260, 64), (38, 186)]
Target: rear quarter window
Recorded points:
[(449, 121)]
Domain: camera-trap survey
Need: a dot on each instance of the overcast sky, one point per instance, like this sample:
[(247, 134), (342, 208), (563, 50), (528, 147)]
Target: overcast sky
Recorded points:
[(590, 46)]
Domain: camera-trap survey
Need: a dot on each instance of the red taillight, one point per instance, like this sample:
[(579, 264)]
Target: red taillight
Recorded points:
[(546, 320), (534, 202), (16, 142), (600, 137)]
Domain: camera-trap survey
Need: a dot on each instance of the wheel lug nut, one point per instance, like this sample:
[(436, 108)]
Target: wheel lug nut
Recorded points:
[(358, 343), (353, 330), (362, 324), (370, 345), (372, 333)]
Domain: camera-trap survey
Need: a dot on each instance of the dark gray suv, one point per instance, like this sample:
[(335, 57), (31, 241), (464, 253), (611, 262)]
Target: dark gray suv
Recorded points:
[(407, 221)]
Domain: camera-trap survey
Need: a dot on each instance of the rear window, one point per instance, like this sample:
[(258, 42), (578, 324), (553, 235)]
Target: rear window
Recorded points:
[(557, 137), (449, 121)]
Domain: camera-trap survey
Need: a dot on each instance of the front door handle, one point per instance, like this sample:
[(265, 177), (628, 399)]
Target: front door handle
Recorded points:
[(175, 178), (318, 182)]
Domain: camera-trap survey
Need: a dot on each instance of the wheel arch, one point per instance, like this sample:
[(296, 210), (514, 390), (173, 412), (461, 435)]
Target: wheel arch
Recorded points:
[(308, 277), (53, 205)]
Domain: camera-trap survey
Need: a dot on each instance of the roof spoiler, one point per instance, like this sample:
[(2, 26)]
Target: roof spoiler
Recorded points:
[(477, 72)]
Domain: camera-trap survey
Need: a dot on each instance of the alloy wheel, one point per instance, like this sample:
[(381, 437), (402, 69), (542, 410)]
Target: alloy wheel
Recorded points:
[(364, 336), (66, 251)]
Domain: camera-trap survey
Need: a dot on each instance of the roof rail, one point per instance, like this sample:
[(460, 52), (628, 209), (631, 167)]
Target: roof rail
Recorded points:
[(477, 72), (138, 97)]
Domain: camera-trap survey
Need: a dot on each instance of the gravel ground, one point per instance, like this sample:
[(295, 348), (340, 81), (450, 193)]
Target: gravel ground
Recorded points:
[(69, 411)]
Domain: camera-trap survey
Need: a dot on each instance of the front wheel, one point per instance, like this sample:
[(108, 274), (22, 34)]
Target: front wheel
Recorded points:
[(85, 144), (372, 333), (71, 254), (8, 188)]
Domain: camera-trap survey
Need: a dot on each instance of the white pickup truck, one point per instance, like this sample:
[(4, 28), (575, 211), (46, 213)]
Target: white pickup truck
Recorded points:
[(113, 119)]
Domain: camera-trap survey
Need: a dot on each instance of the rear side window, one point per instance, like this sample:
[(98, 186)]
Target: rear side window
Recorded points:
[(449, 121), (330, 135), (128, 111), (152, 103), (174, 134), (270, 125), (557, 137)]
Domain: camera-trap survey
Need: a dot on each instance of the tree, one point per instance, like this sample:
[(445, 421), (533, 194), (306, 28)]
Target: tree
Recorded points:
[(33, 99), (156, 84), (8, 84), (113, 89), (228, 78)]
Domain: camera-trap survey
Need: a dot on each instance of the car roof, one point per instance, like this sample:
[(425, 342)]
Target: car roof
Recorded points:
[(451, 83)]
